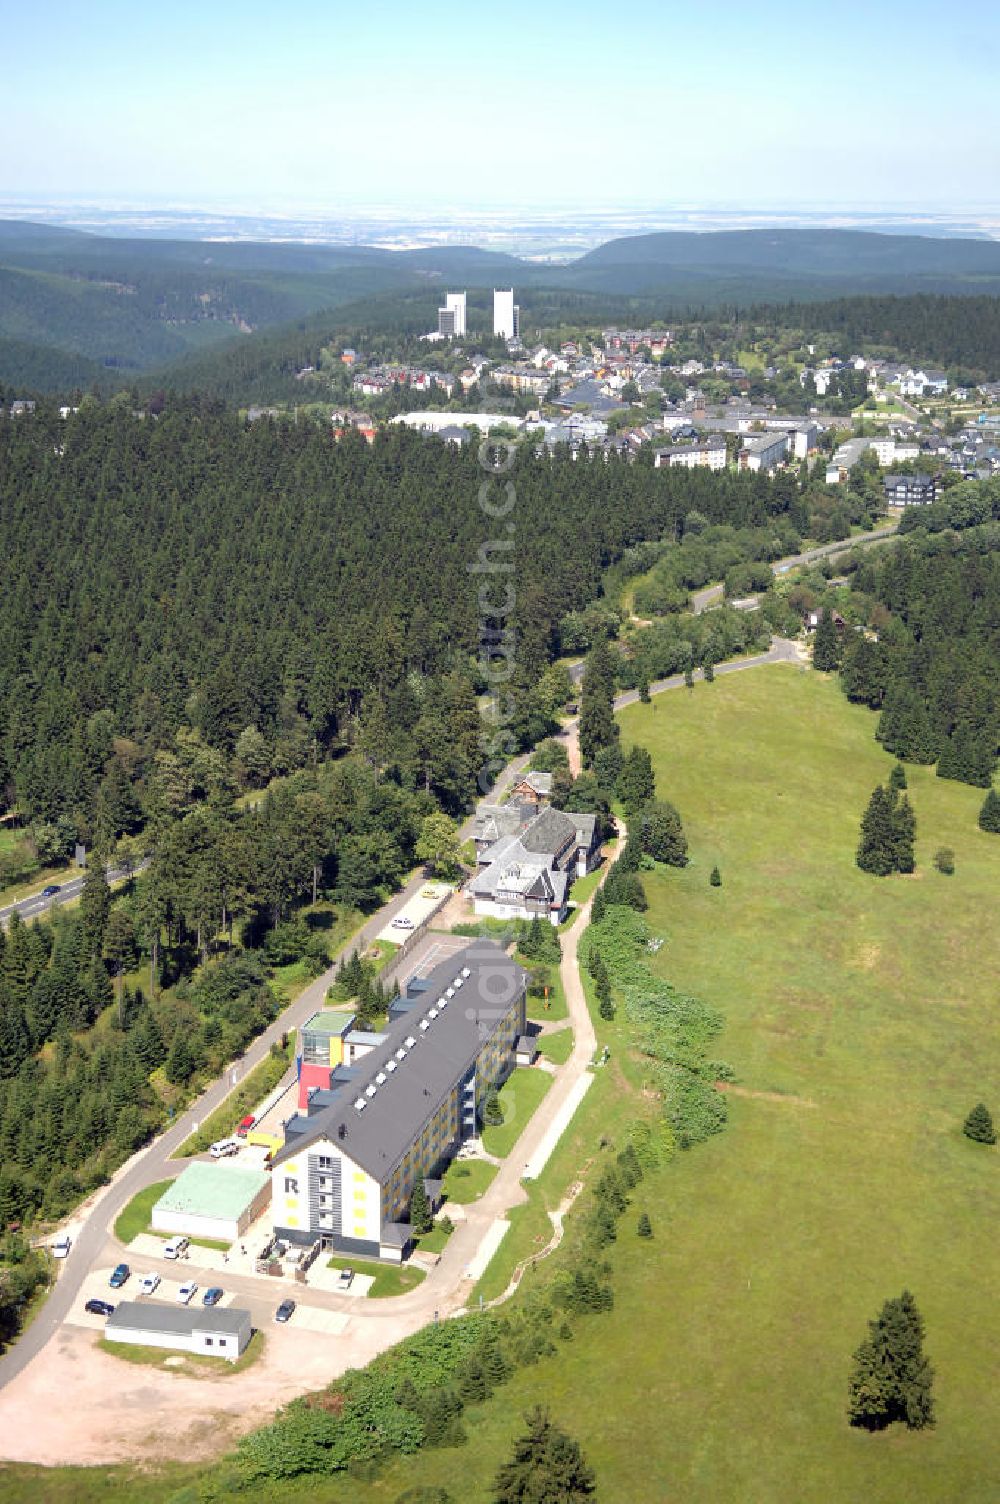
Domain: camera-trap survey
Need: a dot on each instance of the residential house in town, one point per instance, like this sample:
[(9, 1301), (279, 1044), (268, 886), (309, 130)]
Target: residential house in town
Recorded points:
[(709, 453), (910, 490), (763, 451)]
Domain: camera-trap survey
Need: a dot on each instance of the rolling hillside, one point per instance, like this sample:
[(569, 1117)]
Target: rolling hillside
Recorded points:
[(135, 306)]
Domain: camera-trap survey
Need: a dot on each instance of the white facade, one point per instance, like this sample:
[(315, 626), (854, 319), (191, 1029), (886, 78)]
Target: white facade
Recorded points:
[(506, 314), (803, 440), (432, 420), (451, 318), (763, 451), (884, 449), (348, 1200)]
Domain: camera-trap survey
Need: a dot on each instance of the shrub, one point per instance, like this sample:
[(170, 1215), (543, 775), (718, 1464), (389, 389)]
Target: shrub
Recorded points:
[(944, 860), (644, 1228), (715, 878)]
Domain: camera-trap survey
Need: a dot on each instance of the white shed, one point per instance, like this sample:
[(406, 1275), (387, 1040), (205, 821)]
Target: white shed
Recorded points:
[(219, 1332)]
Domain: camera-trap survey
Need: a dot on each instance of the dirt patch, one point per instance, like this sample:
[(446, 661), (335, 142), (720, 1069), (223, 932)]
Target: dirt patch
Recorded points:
[(868, 956), (764, 1096)]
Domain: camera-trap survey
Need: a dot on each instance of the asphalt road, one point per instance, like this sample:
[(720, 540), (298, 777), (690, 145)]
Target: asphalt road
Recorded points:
[(702, 600), (33, 906)]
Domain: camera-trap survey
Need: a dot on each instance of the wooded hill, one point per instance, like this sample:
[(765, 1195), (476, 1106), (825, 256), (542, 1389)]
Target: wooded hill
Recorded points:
[(137, 305)]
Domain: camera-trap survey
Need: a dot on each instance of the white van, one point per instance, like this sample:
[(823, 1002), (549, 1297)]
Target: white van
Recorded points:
[(176, 1248), (225, 1146)]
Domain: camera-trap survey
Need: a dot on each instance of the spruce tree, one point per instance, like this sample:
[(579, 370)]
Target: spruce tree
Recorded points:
[(715, 878), (421, 1220), (95, 905), (545, 1467), (904, 829), (645, 1227), (897, 778), (892, 1378), (877, 847), (599, 907), (826, 644), (979, 1125), (598, 727), (989, 814)]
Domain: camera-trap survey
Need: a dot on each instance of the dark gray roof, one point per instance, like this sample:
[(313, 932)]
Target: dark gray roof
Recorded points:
[(179, 1321), (549, 832), (378, 1135)]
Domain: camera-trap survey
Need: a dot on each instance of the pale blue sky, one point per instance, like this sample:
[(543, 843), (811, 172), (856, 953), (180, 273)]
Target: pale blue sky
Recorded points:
[(767, 102)]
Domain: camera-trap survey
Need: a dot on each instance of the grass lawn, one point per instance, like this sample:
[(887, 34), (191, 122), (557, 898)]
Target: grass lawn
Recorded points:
[(583, 887), (465, 1180), (194, 1365), (553, 1006), (434, 1241), (556, 1047), (390, 1279), (133, 1218), (519, 1096), (223, 1121)]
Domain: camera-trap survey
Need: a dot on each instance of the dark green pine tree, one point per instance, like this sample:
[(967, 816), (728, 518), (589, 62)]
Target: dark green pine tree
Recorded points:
[(979, 1125), (969, 755), (598, 727), (546, 1467), (905, 727), (892, 1378), (989, 814), (599, 907), (897, 778), (636, 781), (904, 829), (715, 878), (645, 1227), (421, 1219), (95, 905), (826, 645), (875, 851)]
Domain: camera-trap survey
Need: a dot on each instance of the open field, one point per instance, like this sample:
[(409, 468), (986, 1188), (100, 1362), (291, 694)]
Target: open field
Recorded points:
[(861, 1027)]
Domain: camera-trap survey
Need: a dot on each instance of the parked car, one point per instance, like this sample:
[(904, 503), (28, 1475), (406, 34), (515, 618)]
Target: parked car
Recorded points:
[(149, 1284), (345, 1279), (176, 1248), (402, 922), (119, 1275), (223, 1147), (51, 890), (61, 1246), (246, 1125), (99, 1307), (185, 1292), (212, 1295), (284, 1311)]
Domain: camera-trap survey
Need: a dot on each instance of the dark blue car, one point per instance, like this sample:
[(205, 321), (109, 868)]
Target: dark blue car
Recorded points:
[(119, 1275), (212, 1296), (51, 890), (99, 1307)]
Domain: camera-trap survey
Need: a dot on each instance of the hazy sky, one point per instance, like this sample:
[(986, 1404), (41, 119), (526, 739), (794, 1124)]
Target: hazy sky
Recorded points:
[(263, 105)]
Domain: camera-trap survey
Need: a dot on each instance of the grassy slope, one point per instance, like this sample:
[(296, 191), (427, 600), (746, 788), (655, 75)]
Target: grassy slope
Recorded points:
[(721, 1373)]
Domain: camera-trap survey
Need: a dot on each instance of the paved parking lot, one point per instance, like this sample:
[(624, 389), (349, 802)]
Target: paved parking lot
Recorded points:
[(417, 910), (313, 1319), (96, 1287)]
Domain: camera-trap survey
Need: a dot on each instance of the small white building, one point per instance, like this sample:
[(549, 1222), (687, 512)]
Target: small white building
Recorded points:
[(218, 1331)]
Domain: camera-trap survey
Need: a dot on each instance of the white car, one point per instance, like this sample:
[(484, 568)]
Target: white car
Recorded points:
[(61, 1246), (149, 1284), (401, 922), (185, 1292)]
